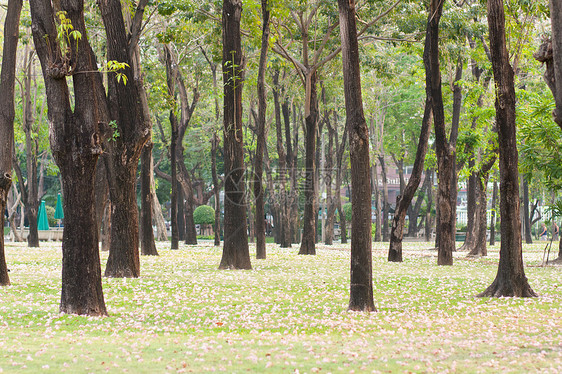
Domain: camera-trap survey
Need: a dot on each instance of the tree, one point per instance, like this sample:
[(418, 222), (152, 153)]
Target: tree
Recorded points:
[(261, 135), (204, 215), (7, 114), (132, 130), (76, 144), (555, 83), (510, 279), (361, 292), (236, 254)]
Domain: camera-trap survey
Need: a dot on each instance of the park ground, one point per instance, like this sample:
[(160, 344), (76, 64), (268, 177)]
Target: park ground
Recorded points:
[(287, 315)]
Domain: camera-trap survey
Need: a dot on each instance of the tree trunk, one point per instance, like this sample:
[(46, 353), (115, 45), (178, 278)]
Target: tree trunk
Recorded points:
[(378, 207), (281, 200), (148, 246), (308, 242), (175, 185), (7, 115), (328, 173), (81, 272), (404, 201), (493, 218), (361, 289), (236, 254), (472, 202), (129, 119), (385, 202), (556, 20), (103, 205), (444, 149), (526, 215), (510, 279), (261, 136), (217, 228)]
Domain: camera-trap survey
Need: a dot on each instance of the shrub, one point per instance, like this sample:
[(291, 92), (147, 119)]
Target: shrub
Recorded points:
[(204, 215)]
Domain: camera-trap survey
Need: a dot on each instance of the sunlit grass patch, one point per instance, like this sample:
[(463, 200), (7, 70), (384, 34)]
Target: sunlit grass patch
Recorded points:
[(289, 313)]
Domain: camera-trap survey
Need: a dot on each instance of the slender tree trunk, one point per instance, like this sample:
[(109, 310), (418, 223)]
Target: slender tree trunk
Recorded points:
[(81, 272), (262, 135), (444, 149), (175, 185), (385, 202), (510, 279), (308, 242), (493, 219), (526, 216), (148, 246), (7, 115), (361, 289), (235, 253), (328, 173), (217, 228), (404, 200)]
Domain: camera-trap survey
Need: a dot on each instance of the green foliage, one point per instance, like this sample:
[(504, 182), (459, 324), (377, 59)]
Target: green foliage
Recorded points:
[(204, 215), (348, 211), (51, 215), (65, 31), (115, 134)]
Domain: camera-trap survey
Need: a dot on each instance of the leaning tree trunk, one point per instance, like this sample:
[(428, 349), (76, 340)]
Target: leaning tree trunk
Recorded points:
[(361, 289), (510, 279), (236, 253), (81, 273), (7, 115), (148, 246), (129, 119), (385, 203), (404, 201)]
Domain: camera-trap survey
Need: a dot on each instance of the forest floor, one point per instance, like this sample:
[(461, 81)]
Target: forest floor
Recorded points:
[(288, 315)]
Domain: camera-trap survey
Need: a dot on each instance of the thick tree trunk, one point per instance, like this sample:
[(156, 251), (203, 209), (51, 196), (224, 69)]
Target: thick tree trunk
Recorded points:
[(236, 254), (510, 279), (404, 201), (7, 115), (81, 273), (148, 246), (123, 260), (308, 242), (361, 289), (129, 119)]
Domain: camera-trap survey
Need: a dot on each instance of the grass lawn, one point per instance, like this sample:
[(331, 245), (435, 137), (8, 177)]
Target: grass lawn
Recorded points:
[(288, 315)]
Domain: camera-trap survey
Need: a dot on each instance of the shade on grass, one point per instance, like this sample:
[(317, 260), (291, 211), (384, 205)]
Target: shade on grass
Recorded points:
[(42, 220)]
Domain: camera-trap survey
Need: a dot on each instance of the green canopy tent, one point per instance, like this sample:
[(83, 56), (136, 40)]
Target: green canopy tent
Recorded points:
[(59, 212), (42, 220)]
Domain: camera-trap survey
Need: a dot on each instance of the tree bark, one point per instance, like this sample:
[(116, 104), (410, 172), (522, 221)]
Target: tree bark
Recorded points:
[(217, 228), (510, 279), (444, 149), (7, 115), (361, 288), (308, 242), (236, 254), (261, 136), (404, 201), (385, 203), (75, 143), (493, 218), (148, 246), (556, 20), (133, 126)]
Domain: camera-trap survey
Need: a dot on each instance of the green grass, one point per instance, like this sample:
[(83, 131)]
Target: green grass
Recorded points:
[(288, 314)]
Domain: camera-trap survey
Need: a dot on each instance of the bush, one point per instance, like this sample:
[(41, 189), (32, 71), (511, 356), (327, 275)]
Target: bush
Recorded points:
[(347, 210), (51, 216), (204, 215)]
